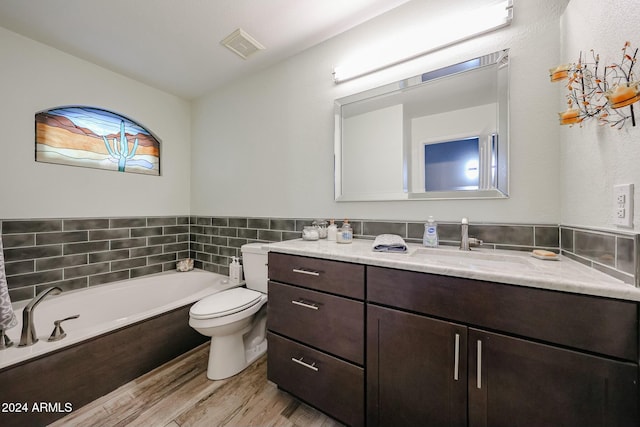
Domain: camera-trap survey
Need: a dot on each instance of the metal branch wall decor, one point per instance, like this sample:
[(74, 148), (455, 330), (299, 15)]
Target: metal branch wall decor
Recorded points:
[(600, 92)]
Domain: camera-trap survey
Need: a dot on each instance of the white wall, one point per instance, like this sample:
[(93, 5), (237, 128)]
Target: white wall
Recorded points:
[(376, 145), (264, 145), (35, 77), (594, 158)]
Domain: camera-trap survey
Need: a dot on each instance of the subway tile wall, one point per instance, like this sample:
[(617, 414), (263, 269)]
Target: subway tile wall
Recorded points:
[(214, 240), (77, 253), (615, 254), (82, 252)]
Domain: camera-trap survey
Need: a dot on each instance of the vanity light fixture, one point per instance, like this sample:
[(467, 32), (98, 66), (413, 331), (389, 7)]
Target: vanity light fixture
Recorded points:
[(446, 32)]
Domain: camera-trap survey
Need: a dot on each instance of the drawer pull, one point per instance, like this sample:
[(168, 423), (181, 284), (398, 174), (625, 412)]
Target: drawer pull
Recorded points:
[(456, 358), (306, 365), (479, 370), (305, 304), (307, 272)]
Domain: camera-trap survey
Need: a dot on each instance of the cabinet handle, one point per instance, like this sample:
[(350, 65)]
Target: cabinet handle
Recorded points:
[(479, 370), (303, 303), (306, 365), (456, 358), (307, 272)]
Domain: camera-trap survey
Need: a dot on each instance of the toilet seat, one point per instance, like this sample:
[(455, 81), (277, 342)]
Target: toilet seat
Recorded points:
[(225, 303)]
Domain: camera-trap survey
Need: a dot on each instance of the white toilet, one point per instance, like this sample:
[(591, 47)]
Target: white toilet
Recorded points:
[(236, 319)]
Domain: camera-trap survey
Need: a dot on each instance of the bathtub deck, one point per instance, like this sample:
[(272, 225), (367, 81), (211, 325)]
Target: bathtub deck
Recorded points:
[(179, 393)]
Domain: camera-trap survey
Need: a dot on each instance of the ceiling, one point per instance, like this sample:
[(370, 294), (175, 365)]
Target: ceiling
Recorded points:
[(174, 45)]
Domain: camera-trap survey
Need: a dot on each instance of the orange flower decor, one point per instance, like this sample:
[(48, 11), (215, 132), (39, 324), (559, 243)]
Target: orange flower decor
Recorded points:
[(623, 95), (599, 92), (570, 117), (561, 72)]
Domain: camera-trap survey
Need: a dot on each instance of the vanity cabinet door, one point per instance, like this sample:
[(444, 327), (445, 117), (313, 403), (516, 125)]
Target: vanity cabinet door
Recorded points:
[(416, 370), (519, 383)]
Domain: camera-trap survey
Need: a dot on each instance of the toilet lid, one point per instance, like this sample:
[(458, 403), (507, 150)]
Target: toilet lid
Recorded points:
[(224, 303)]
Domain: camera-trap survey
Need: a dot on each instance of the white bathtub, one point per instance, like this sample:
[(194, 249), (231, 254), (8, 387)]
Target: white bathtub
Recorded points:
[(109, 307)]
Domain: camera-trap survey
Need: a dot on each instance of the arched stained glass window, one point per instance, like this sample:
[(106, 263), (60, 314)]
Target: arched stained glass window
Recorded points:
[(95, 138)]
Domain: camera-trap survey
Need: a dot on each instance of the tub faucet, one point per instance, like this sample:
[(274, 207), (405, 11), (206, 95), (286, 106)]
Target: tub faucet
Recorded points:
[(29, 336), (464, 238)]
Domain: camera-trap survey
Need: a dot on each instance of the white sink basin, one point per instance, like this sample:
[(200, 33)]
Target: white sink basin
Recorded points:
[(475, 259)]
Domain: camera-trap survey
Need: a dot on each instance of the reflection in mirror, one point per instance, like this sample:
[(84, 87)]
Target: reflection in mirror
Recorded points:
[(452, 165), (439, 135)]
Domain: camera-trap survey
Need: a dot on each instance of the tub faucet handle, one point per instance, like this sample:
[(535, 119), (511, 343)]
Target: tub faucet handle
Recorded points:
[(5, 341), (58, 333)]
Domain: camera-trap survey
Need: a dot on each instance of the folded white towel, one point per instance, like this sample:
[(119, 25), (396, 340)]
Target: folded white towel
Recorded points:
[(389, 243), (7, 316)]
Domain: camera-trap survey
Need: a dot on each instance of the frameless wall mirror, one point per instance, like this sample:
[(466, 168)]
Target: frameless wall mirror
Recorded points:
[(443, 134)]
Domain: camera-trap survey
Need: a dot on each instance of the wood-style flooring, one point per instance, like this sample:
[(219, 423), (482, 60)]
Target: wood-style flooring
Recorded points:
[(179, 394)]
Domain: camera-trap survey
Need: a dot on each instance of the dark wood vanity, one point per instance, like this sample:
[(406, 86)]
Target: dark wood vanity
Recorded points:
[(450, 351), (316, 333), (386, 347)]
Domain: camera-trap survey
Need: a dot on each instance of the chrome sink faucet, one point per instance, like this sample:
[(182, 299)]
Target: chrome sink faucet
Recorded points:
[(464, 238), (466, 242), (29, 336)]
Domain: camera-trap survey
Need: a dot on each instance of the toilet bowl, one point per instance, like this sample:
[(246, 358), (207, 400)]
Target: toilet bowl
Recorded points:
[(236, 319)]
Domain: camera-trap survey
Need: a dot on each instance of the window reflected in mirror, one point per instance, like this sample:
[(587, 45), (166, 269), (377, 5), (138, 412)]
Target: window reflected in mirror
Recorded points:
[(452, 165), (460, 165)]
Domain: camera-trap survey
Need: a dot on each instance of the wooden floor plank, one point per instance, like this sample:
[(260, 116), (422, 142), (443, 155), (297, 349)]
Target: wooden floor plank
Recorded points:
[(267, 404), (179, 394), (125, 403)]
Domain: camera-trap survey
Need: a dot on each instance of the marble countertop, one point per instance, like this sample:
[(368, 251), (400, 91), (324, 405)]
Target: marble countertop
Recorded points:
[(510, 267)]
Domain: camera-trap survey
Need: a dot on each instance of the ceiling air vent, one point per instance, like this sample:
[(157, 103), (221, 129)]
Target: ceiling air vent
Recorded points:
[(242, 43)]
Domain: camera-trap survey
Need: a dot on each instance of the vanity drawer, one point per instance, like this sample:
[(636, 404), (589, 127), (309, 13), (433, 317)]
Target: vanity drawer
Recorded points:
[(329, 276), (328, 322), (332, 385), (590, 323)]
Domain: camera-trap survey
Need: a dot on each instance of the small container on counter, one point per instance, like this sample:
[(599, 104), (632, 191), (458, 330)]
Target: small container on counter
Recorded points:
[(235, 271), (321, 225), (310, 232), (332, 231), (345, 233), (430, 237)]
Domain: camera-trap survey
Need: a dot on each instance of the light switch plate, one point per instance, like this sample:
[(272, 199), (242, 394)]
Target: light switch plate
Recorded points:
[(623, 205)]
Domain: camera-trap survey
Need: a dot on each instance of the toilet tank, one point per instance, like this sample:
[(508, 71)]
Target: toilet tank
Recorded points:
[(254, 266)]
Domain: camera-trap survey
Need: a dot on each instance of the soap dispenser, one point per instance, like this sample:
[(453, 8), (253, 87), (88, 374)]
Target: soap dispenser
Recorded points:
[(430, 237), (235, 271)]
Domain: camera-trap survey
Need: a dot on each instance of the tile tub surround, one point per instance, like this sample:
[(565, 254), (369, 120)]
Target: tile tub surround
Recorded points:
[(80, 252)]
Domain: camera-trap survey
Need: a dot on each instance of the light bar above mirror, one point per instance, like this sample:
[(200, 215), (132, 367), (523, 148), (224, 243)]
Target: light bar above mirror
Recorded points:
[(443, 33)]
